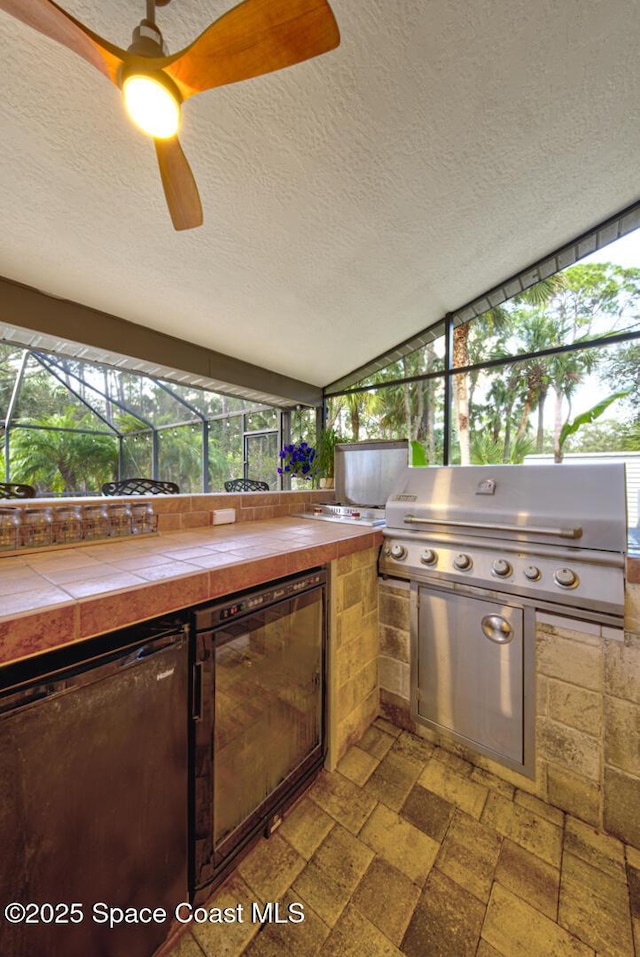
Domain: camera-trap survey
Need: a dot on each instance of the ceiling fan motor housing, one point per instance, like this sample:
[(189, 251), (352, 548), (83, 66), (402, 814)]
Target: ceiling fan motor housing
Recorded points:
[(147, 40)]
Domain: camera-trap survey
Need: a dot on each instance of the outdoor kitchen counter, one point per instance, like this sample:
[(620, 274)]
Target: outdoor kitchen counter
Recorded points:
[(55, 597)]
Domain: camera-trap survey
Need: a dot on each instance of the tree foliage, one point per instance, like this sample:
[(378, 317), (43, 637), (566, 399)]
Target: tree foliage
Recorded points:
[(59, 458), (530, 399), (522, 405), (55, 459)]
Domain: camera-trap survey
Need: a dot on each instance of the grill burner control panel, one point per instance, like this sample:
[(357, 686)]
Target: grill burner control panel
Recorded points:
[(554, 536), (550, 578)]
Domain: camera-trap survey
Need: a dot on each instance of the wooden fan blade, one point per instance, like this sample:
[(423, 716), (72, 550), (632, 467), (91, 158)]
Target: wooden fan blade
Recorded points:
[(179, 185), (48, 18), (256, 37)]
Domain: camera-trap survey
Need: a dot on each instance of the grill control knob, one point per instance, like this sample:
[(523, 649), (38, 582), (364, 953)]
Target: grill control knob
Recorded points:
[(565, 577), (398, 552), (462, 562), (428, 556), (533, 573), (501, 568)]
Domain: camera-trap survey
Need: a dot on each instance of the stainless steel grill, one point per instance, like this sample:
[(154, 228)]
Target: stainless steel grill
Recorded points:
[(552, 535), (485, 549)]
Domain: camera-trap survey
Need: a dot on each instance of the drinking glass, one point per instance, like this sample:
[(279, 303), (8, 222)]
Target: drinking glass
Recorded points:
[(143, 518), (67, 524), (95, 523), (37, 527), (10, 521), (119, 519)]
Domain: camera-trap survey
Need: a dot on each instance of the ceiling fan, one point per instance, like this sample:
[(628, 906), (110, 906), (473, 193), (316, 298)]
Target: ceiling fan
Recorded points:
[(253, 38)]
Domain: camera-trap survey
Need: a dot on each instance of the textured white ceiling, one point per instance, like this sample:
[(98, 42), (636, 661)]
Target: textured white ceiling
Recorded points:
[(349, 201)]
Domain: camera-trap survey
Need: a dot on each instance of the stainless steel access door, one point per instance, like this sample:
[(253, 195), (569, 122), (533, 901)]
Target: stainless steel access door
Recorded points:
[(469, 671)]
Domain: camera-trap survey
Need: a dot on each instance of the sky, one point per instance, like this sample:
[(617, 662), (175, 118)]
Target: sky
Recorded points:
[(624, 252)]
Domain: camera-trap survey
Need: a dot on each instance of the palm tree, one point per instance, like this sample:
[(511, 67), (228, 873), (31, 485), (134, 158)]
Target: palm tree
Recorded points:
[(499, 414), (57, 458), (537, 331), (567, 372), (482, 329), (486, 451), (180, 457), (360, 407)]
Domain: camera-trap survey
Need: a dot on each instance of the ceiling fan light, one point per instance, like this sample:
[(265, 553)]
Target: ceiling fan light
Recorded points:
[(151, 105)]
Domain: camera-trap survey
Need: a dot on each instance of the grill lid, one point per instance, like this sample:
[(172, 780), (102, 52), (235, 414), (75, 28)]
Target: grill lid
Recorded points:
[(366, 471), (580, 506)]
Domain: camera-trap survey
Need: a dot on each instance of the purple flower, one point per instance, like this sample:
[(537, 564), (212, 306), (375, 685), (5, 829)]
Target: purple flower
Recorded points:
[(297, 460)]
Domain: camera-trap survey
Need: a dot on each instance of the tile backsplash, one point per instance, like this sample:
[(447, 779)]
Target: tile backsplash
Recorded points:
[(36, 523)]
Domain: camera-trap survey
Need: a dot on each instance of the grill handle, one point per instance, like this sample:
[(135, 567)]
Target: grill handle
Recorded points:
[(488, 526)]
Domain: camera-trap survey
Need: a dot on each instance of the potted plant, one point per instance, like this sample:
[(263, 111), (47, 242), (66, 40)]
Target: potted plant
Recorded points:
[(298, 460), (325, 457)]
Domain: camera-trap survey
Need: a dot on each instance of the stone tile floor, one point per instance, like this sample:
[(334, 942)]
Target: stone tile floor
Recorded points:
[(407, 849)]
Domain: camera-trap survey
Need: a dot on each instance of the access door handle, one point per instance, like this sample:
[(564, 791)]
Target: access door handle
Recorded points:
[(498, 629)]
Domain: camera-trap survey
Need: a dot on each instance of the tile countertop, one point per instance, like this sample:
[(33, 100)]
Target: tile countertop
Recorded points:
[(52, 598)]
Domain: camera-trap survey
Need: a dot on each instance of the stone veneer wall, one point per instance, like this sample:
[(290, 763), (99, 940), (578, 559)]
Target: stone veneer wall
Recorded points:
[(353, 699), (587, 713)]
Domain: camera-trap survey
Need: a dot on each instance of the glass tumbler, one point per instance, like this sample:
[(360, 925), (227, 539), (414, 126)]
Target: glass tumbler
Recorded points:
[(10, 521), (119, 519), (37, 527), (95, 523), (67, 524)]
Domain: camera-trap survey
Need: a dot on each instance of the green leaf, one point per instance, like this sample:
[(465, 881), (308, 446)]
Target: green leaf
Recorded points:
[(589, 416), (418, 455)]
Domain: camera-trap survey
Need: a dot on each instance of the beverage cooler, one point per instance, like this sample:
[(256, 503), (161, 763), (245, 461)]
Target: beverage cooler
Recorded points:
[(259, 733), (93, 793)]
